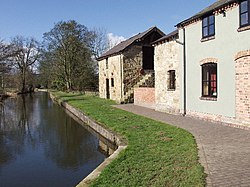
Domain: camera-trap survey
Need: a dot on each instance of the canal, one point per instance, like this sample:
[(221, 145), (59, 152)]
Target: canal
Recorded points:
[(40, 145)]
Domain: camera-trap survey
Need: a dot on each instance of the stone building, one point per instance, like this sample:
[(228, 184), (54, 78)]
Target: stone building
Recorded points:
[(215, 61), (128, 65), (167, 74)]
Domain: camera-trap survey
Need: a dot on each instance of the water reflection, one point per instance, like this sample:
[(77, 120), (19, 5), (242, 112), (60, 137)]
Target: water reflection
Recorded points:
[(13, 130), (39, 142)]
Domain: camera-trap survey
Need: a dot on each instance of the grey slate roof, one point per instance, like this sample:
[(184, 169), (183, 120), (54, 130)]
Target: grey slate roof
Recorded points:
[(218, 4), (168, 36), (123, 45)]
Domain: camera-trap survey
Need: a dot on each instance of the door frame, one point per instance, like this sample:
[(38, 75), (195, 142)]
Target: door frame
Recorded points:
[(107, 89)]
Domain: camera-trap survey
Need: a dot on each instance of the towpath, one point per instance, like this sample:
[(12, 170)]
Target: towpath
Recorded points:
[(224, 151)]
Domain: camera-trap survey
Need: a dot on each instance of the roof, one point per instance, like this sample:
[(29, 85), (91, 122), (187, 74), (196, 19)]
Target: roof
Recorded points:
[(168, 36), (215, 6), (123, 45)]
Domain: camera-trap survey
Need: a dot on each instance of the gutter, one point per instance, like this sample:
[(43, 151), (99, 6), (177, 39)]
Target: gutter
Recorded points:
[(184, 73)]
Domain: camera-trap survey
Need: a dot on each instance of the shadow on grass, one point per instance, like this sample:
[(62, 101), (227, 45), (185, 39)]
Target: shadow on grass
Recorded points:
[(73, 99), (76, 97)]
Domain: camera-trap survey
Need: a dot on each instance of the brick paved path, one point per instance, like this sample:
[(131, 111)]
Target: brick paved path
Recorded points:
[(224, 151)]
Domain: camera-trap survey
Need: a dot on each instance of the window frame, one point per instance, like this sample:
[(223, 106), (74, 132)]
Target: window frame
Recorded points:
[(212, 84), (241, 13), (112, 82), (171, 80), (208, 25)]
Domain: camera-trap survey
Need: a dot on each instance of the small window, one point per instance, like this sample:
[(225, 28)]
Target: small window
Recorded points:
[(107, 63), (112, 82), (244, 13), (208, 26), (171, 80), (209, 80)]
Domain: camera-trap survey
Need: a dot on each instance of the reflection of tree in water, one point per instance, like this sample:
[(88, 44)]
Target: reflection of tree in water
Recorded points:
[(28, 122), (14, 128), (69, 144), (25, 119)]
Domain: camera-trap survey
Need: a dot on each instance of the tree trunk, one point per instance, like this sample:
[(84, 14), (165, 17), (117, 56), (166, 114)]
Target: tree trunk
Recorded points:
[(23, 90), (69, 84)]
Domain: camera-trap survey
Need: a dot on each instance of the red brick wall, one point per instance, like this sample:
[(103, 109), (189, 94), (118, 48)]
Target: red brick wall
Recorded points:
[(242, 67), (144, 97)]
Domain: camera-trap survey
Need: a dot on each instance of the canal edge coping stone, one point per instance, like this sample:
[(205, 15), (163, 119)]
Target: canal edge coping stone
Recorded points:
[(99, 129)]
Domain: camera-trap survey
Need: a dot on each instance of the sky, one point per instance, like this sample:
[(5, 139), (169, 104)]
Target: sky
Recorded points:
[(119, 18)]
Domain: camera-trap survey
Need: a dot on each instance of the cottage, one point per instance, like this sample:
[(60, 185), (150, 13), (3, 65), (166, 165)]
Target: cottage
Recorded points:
[(129, 64), (215, 61)]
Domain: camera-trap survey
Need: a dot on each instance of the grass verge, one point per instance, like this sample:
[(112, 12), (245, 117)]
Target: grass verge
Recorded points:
[(157, 154)]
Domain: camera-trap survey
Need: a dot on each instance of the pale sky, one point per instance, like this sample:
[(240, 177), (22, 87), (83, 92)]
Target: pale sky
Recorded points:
[(121, 18)]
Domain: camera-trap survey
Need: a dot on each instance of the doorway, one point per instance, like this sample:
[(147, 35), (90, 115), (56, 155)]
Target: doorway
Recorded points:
[(148, 58), (107, 89)]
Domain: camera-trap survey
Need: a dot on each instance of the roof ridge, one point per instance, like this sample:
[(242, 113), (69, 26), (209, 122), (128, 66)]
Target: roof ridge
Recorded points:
[(123, 45)]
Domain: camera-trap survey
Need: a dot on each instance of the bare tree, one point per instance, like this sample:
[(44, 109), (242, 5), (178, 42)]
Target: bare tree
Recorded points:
[(28, 54), (99, 42), (7, 51), (113, 40)]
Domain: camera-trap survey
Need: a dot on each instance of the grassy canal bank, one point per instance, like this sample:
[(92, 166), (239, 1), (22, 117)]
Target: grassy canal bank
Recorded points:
[(157, 154)]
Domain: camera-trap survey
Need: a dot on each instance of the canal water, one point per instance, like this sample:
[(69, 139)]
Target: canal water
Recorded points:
[(40, 145)]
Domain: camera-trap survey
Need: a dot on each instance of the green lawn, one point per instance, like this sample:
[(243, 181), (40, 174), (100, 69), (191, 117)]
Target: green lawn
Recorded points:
[(157, 154)]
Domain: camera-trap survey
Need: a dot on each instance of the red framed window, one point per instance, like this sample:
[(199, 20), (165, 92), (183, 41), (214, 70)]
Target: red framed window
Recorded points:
[(209, 80)]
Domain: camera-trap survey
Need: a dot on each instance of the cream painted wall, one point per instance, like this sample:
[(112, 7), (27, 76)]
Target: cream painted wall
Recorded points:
[(228, 41), (114, 71)]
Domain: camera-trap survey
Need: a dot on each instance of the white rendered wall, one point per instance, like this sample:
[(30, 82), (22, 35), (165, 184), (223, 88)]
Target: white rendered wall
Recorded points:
[(227, 43)]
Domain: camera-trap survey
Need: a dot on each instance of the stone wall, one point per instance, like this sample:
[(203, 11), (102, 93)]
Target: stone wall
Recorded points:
[(242, 70), (144, 97), (133, 60), (124, 69), (112, 71), (167, 57), (102, 78)]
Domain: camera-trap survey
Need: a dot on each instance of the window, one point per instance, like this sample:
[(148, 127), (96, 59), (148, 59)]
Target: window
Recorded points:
[(209, 80), (112, 82), (171, 80), (208, 26), (107, 63), (244, 13)]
